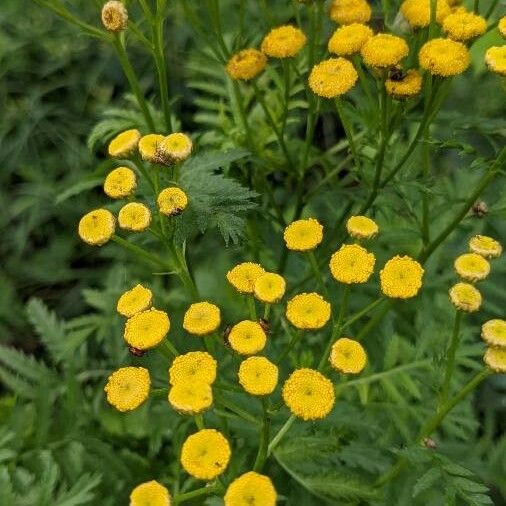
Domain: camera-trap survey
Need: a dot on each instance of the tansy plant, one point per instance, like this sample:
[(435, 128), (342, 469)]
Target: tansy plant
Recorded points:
[(314, 143)]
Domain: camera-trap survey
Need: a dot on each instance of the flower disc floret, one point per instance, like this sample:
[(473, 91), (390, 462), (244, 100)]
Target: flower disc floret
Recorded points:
[(444, 57), (408, 86), (332, 78), (148, 146), (193, 366), (243, 276), (191, 398), (127, 388), (346, 12), (472, 267), (309, 311), (247, 337), (120, 182), (303, 235), (134, 216), (495, 58), (401, 278), (349, 39), (97, 227), (146, 329), (251, 489), (485, 246), (352, 264), (362, 227), (172, 201), (495, 358), (124, 144), (494, 332), (133, 301), (269, 287), (205, 454), (114, 16), (384, 50), (465, 297), (246, 64), (308, 394), (202, 318), (463, 25), (174, 148), (150, 493), (417, 12), (347, 356), (258, 376), (283, 42)]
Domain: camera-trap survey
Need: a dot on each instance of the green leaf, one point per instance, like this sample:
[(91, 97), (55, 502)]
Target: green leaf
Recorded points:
[(426, 481)]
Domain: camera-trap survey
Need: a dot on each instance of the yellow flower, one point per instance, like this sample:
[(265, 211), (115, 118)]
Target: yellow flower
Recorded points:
[(269, 287), (349, 39), (114, 16), (495, 358), (494, 332), (401, 278), (348, 356), (463, 25), (251, 489), (472, 267), (246, 64), (407, 86), (150, 493), (146, 329), (247, 337), (485, 246), (303, 235), (308, 394), (120, 182), (124, 144), (346, 12), (205, 454), (202, 318), (193, 366), (258, 376), (191, 398), (502, 27), (283, 42), (134, 216), (127, 388), (465, 297), (134, 301), (444, 57), (352, 264), (384, 50), (361, 227), (174, 148), (243, 276), (495, 58), (332, 78), (148, 147), (97, 227), (172, 201), (417, 12), (308, 311)]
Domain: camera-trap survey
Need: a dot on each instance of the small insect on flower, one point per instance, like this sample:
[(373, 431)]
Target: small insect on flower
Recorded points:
[(283, 42), (495, 58), (349, 39), (347, 356), (485, 246), (135, 352), (133, 301), (146, 329), (247, 337), (205, 454), (150, 493), (495, 358), (258, 376), (120, 182), (124, 144), (148, 146), (308, 311), (472, 267), (402, 85), (172, 201), (243, 276), (251, 489), (346, 12), (135, 217), (417, 12), (174, 148), (202, 318), (362, 227), (191, 398), (384, 50), (265, 325), (127, 388), (332, 78), (193, 366), (465, 297), (269, 288), (352, 264), (97, 227), (303, 235), (246, 64), (444, 57), (462, 25), (114, 16), (494, 332)]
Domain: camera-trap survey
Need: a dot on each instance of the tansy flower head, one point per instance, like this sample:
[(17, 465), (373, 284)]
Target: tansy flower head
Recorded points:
[(494, 332), (193, 366), (127, 388), (269, 287), (258, 376), (349, 39), (251, 489), (417, 12), (120, 183), (348, 356), (502, 27), (174, 148), (150, 493), (463, 25), (133, 301), (283, 42), (495, 58), (202, 318), (114, 16), (191, 398), (303, 235), (346, 12), (485, 246), (409, 85), (134, 216), (471, 267), (146, 329), (308, 311), (361, 227), (495, 358), (401, 278), (124, 144), (384, 50), (308, 394), (243, 276), (247, 337), (172, 201), (352, 264), (444, 57), (97, 227), (205, 454), (148, 147), (332, 78), (246, 64), (465, 297)]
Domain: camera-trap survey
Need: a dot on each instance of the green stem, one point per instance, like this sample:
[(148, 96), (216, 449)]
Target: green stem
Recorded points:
[(140, 252), (279, 436), (242, 113), (237, 410), (347, 130), (476, 6), (207, 490), (267, 312), (316, 271), (252, 307), (352, 319), (375, 320), (363, 79), (169, 347), (264, 438), (491, 9), (293, 341), (199, 422)]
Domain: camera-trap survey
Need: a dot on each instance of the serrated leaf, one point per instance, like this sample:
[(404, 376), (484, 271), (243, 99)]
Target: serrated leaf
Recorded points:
[(426, 481)]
